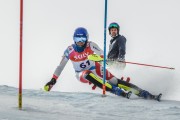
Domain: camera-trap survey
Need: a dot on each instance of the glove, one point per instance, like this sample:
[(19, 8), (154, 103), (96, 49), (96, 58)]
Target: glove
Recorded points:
[(50, 84)]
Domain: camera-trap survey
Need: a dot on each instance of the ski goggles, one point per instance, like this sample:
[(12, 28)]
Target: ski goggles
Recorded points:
[(80, 39), (113, 26)]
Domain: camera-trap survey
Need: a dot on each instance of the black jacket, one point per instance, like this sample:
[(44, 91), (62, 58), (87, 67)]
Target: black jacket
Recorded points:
[(117, 48)]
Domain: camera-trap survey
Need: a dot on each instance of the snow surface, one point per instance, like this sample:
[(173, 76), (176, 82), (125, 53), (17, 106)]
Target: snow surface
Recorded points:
[(40, 105)]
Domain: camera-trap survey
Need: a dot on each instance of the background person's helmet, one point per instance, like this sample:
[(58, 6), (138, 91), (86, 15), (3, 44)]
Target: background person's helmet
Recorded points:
[(114, 25)]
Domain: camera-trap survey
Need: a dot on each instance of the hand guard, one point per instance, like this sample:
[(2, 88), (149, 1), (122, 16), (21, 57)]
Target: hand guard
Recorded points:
[(50, 84)]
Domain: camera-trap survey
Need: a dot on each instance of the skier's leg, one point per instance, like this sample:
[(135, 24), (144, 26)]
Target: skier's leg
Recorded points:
[(138, 91), (111, 79), (91, 77)]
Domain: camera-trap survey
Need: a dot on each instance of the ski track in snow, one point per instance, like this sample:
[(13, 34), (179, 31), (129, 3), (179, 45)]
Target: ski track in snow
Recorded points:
[(40, 105)]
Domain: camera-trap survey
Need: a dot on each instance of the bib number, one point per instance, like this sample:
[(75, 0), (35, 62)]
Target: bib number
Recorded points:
[(85, 64)]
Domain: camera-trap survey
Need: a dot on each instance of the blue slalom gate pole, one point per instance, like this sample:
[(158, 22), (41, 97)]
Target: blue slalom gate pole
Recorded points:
[(104, 62)]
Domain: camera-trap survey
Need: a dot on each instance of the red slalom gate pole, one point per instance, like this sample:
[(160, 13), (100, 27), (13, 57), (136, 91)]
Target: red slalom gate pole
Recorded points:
[(20, 55), (150, 65)]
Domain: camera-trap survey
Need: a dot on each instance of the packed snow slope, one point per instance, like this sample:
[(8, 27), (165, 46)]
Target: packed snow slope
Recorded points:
[(40, 105)]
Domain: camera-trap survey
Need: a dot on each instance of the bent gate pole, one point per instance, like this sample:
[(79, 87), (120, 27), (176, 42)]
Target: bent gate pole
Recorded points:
[(150, 65)]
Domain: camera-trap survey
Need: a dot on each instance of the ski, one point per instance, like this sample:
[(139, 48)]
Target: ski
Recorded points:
[(158, 97)]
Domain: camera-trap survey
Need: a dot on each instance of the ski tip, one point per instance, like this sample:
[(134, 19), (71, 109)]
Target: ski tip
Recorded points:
[(158, 98), (128, 95)]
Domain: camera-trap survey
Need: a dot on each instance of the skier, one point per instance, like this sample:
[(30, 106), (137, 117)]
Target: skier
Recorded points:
[(78, 54)]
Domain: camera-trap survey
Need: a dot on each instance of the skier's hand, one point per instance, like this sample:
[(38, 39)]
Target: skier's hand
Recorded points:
[(50, 84)]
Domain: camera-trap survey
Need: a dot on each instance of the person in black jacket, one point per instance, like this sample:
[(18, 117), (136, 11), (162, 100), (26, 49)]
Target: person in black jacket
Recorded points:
[(117, 47)]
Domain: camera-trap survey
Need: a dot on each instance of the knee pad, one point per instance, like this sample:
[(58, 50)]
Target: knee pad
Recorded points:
[(83, 76)]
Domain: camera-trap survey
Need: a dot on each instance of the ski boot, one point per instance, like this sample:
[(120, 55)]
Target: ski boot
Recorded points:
[(158, 97), (118, 91), (50, 84), (147, 95), (128, 94)]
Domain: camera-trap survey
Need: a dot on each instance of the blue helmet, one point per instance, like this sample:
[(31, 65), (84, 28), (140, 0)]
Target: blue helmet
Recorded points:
[(80, 35), (114, 25)]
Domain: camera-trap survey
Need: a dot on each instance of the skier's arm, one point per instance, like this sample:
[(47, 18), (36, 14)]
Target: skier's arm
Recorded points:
[(60, 67), (122, 47), (57, 72), (96, 48)]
